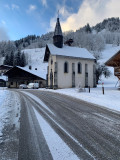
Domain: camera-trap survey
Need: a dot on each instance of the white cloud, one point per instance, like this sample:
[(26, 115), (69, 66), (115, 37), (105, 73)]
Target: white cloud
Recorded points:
[(90, 11), (3, 34), (3, 22), (14, 6), (63, 12), (31, 8), (44, 2)]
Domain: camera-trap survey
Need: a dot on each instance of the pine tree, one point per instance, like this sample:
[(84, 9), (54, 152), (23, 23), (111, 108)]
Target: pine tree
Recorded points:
[(87, 28), (11, 59), (17, 59), (6, 60), (22, 60)]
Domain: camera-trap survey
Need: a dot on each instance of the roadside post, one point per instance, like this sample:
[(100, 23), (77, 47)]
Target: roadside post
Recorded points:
[(102, 87), (89, 89)]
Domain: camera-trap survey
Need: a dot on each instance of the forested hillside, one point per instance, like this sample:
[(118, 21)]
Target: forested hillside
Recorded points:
[(92, 38)]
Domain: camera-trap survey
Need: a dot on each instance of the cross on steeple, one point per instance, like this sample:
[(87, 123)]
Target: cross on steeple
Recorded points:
[(58, 13)]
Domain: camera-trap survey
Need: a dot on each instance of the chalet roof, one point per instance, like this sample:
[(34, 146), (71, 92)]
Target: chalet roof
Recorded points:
[(114, 61), (58, 30), (37, 73), (68, 51)]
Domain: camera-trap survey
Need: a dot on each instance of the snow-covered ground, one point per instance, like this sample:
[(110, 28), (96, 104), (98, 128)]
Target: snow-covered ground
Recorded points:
[(3, 109), (9, 124), (8, 105), (108, 52)]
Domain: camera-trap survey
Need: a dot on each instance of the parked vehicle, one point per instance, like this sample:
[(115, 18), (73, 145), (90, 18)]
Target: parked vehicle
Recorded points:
[(33, 85), (23, 86)]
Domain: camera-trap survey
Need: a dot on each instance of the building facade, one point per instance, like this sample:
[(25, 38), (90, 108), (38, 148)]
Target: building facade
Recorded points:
[(68, 66), (64, 72), (18, 75)]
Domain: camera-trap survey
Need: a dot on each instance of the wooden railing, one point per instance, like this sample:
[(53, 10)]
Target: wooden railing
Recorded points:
[(117, 71)]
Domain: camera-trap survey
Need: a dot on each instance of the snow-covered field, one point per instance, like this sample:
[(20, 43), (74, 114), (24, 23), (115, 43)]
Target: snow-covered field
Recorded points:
[(35, 60), (108, 52)]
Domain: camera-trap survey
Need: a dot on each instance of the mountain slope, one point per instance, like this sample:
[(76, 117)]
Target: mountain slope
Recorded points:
[(35, 60)]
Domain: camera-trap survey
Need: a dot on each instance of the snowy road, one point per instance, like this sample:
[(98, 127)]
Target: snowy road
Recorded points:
[(58, 127)]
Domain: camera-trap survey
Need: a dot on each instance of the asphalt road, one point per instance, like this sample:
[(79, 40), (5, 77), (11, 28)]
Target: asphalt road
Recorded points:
[(91, 132)]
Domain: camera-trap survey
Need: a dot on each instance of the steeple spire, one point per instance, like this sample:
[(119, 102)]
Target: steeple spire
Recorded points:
[(58, 37), (58, 13)]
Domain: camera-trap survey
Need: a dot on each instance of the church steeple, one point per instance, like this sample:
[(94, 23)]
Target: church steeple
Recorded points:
[(58, 37)]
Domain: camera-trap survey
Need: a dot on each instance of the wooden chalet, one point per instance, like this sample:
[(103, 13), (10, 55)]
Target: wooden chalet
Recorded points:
[(19, 75), (114, 61)]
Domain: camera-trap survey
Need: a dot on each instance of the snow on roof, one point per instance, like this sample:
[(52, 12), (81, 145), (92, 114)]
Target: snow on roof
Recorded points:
[(70, 51), (39, 73)]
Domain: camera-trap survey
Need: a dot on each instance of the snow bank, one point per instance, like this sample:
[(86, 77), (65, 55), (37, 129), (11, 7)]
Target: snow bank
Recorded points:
[(9, 109), (3, 110)]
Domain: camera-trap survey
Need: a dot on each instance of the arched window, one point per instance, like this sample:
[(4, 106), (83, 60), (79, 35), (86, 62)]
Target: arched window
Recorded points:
[(79, 67), (66, 67)]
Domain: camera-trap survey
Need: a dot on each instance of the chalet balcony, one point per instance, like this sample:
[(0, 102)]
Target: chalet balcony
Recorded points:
[(117, 71)]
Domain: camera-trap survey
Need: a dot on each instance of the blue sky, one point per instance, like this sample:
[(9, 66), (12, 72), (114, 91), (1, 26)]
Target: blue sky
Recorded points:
[(25, 17), (19, 18)]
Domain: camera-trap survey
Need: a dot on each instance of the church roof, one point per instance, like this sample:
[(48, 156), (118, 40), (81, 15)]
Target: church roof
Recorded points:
[(58, 30), (68, 51)]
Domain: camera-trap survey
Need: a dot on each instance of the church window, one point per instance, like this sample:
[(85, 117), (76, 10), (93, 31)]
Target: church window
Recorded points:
[(79, 67), (66, 67)]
